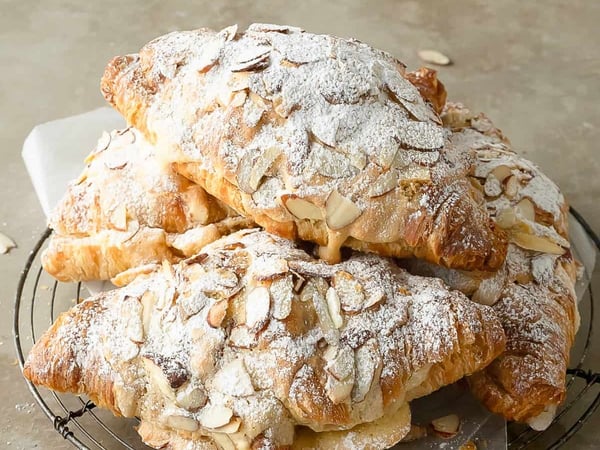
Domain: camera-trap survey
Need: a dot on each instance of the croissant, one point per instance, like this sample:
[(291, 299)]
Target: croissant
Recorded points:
[(533, 293), (311, 136), (254, 344), (127, 209)]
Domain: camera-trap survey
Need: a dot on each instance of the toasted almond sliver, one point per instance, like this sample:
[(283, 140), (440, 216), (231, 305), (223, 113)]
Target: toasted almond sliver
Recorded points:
[(300, 208), (158, 378), (182, 423), (258, 304), (536, 243), (217, 313), (526, 209), (215, 416), (446, 426), (233, 379), (250, 172), (339, 390), (224, 441), (434, 57), (334, 307), (511, 187), (492, 186), (502, 172), (282, 294), (349, 291), (6, 244), (384, 184), (232, 427), (132, 312), (507, 218), (191, 399), (340, 211), (368, 368)]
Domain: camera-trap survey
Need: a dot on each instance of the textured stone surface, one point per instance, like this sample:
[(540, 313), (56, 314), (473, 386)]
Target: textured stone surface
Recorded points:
[(533, 67)]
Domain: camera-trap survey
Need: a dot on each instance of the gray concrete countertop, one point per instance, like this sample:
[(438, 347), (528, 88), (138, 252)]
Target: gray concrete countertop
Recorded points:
[(533, 67)]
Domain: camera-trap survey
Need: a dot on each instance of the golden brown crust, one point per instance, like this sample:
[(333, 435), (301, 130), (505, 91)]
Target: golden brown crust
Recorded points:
[(429, 86), (360, 158), (533, 293), (253, 324), (128, 209)]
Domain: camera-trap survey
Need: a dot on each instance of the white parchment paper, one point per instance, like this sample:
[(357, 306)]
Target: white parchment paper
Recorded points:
[(54, 153)]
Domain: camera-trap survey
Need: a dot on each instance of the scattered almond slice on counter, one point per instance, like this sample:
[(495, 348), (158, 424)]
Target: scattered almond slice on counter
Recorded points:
[(447, 426), (6, 244), (434, 57)]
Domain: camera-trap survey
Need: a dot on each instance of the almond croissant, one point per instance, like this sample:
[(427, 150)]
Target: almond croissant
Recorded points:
[(533, 293), (252, 343), (311, 136)]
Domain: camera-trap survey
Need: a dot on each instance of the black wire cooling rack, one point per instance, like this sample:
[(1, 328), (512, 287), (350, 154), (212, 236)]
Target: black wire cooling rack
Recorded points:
[(40, 299)]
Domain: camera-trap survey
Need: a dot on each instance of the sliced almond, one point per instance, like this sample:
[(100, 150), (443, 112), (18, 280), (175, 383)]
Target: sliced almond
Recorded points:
[(368, 365), (233, 379), (434, 57), (511, 186), (182, 423), (217, 313), (374, 298), (251, 171), (339, 361), (157, 378), (215, 416), (191, 304), (536, 243), (118, 217), (340, 211), (166, 372), (238, 99), (258, 304), (242, 337), (502, 172), (224, 441), (334, 308), (148, 301), (300, 208), (492, 186), (168, 271), (132, 311), (228, 32), (349, 291), (507, 218), (267, 267), (282, 295), (339, 390), (386, 182), (447, 426), (6, 244), (526, 209), (232, 427), (191, 399), (330, 333)]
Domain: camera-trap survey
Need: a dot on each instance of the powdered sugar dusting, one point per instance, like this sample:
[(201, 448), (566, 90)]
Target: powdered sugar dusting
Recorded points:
[(282, 376)]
